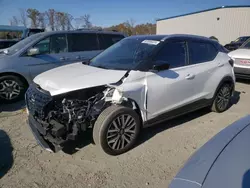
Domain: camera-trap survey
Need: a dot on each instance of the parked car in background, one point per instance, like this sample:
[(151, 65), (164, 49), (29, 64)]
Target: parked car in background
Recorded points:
[(237, 43), (139, 81), (10, 35), (241, 59), (222, 162), (20, 63)]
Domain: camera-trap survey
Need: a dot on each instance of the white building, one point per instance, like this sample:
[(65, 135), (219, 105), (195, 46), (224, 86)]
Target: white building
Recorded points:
[(225, 23)]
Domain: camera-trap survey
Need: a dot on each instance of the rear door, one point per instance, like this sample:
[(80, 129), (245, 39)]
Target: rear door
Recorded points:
[(83, 46), (53, 53), (203, 64)]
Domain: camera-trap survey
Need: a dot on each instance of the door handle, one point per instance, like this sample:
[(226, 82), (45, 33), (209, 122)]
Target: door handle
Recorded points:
[(78, 57), (190, 76), (220, 64), (64, 58)]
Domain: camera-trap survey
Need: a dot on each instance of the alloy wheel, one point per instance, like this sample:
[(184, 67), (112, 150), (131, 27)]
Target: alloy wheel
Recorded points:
[(223, 98), (121, 132), (9, 89)]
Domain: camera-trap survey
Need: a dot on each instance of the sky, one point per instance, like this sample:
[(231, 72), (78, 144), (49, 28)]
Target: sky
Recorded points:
[(110, 12)]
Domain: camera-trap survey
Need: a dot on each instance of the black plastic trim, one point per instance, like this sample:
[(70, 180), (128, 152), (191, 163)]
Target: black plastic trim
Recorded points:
[(40, 140), (180, 111)]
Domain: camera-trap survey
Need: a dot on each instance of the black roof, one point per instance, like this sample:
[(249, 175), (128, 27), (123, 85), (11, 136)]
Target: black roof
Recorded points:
[(239, 6), (165, 37)]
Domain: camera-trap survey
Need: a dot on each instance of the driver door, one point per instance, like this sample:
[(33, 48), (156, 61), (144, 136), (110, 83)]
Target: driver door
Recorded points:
[(53, 52), (169, 89)]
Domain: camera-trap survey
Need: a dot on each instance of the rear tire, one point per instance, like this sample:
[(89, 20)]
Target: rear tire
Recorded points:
[(222, 98), (12, 89), (116, 129)]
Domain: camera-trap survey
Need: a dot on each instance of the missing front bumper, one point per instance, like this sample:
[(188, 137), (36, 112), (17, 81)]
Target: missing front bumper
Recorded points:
[(39, 132)]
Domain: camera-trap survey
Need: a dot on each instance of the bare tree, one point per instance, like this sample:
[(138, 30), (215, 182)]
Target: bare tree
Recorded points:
[(51, 17), (14, 21), (130, 25), (69, 19), (33, 14), (23, 17), (61, 20), (77, 22), (41, 20), (86, 21), (83, 22)]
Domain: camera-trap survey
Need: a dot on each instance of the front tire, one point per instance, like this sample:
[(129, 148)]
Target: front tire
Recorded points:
[(222, 99), (116, 129), (12, 89)]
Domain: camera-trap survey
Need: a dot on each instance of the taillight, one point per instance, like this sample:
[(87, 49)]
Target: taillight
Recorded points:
[(231, 62)]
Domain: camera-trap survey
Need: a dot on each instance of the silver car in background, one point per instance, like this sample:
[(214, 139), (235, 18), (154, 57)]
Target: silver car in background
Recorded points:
[(20, 63), (241, 59)]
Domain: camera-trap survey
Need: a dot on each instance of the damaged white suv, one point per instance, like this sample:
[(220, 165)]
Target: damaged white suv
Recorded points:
[(139, 81)]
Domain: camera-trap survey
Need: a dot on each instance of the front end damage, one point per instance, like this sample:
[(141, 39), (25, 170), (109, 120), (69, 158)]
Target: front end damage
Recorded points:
[(56, 120)]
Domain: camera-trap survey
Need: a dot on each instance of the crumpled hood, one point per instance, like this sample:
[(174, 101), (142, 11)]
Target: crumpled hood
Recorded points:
[(76, 76), (240, 53)]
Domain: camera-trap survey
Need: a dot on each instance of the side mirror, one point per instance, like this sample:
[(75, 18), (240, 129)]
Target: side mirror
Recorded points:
[(33, 51), (160, 65)]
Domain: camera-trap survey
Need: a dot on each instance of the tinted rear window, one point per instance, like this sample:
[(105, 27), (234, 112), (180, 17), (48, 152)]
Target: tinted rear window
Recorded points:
[(107, 40), (82, 42), (200, 52)]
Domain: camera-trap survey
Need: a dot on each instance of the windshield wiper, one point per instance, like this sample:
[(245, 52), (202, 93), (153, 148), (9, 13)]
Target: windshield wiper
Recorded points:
[(101, 67), (86, 62)]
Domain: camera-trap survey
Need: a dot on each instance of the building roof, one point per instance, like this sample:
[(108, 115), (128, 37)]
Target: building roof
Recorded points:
[(240, 6)]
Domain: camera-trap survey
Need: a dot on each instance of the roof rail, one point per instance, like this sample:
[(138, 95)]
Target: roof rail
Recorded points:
[(91, 29)]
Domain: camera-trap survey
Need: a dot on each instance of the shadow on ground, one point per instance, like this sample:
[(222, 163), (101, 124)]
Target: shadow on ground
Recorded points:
[(83, 140), (243, 81), (236, 98), (6, 158), (12, 107), (150, 132)]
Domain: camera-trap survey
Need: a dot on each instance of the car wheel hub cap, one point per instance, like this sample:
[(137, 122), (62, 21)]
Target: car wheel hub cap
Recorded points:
[(223, 98), (9, 89), (121, 132)]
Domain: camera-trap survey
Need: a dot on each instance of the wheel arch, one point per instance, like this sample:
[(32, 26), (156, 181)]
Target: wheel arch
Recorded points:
[(225, 80), (135, 106), (17, 75)]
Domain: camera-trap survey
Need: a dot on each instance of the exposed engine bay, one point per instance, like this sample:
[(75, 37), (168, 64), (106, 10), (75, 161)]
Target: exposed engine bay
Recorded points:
[(63, 117)]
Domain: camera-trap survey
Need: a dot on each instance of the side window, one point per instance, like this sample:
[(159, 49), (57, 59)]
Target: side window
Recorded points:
[(82, 42), (201, 52), (43, 46), (173, 53), (58, 44), (52, 45), (107, 40)]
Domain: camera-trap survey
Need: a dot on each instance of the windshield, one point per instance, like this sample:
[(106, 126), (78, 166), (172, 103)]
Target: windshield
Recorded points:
[(246, 45), (18, 46), (125, 55)]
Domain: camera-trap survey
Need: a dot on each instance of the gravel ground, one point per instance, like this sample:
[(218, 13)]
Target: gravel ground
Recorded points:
[(162, 150)]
